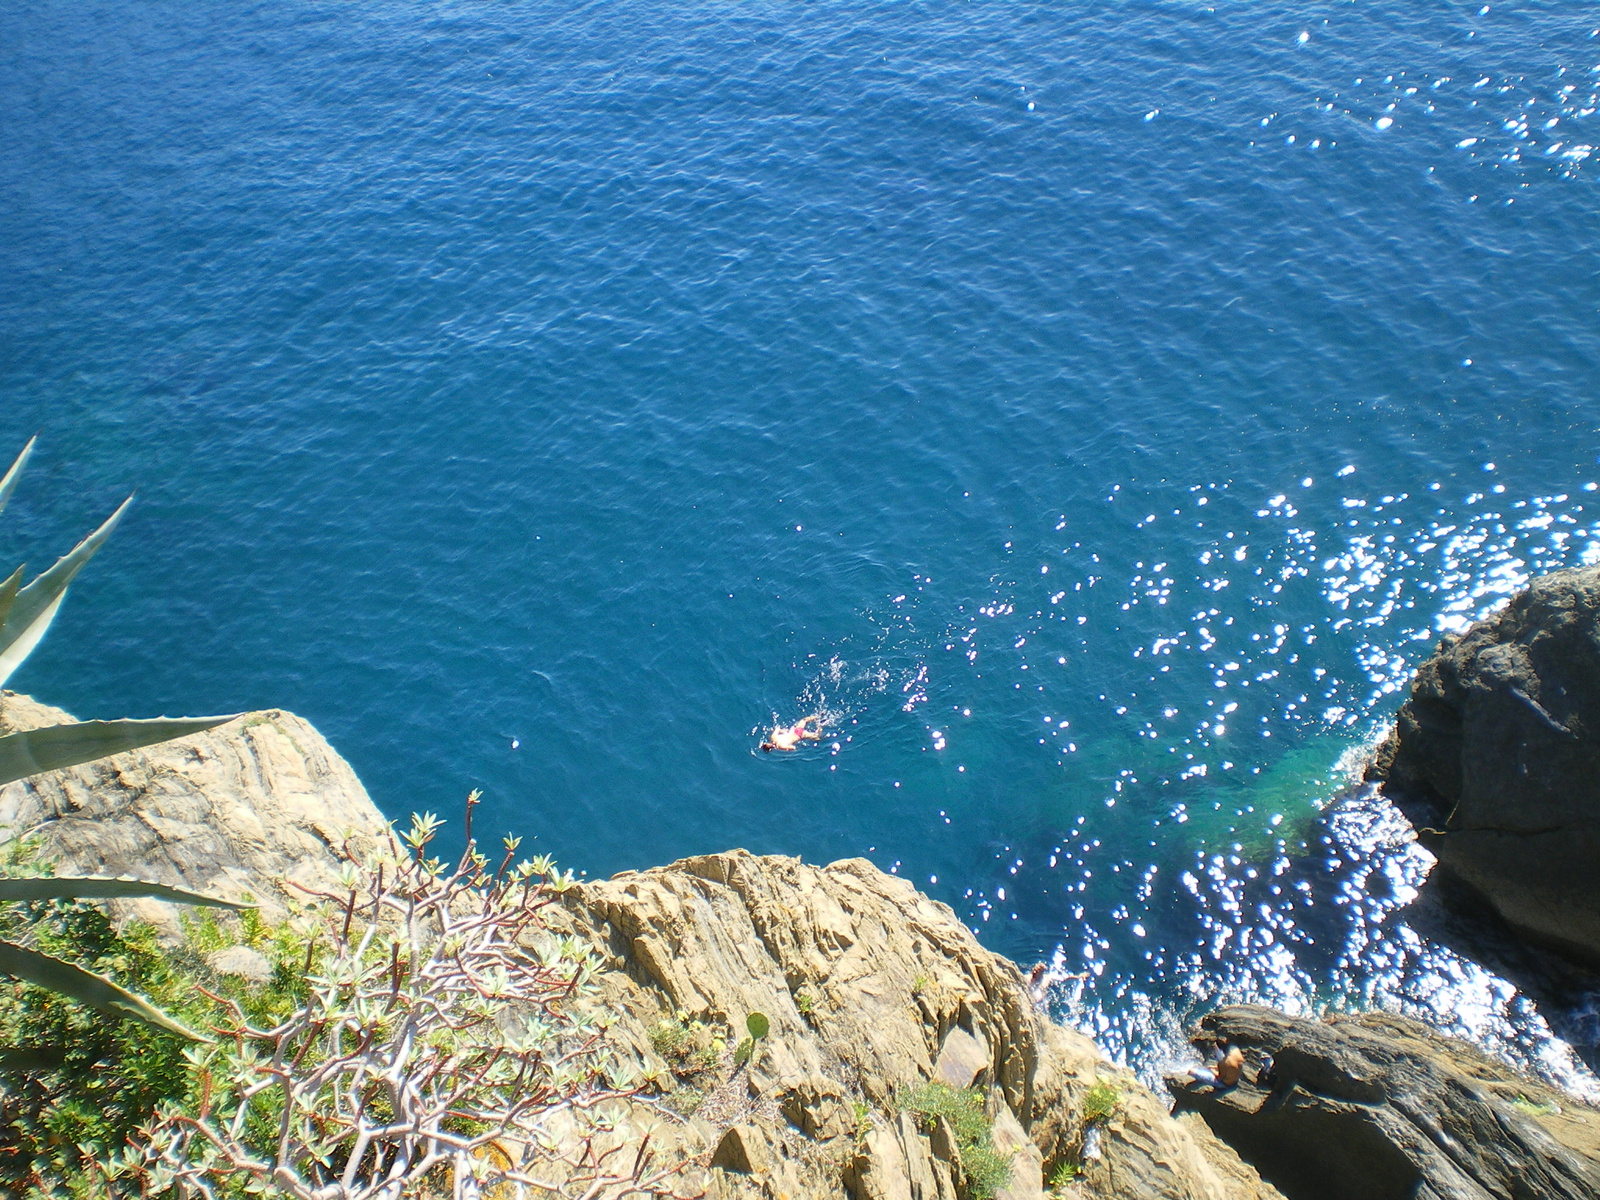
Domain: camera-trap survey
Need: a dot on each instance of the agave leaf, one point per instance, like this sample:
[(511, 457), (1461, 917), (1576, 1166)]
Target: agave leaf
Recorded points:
[(9, 483), (35, 605), (85, 888), (85, 987), (8, 593), (55, 746)]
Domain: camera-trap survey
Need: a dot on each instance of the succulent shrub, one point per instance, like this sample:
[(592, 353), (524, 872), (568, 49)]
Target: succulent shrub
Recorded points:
[(756, 1027), (441, 1046), (25, 615), (74, 1086)]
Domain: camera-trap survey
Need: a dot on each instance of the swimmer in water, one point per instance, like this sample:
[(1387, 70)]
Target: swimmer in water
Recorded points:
[(790, 738)]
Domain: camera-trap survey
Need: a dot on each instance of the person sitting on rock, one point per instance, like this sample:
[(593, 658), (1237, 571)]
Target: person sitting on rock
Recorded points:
[(1229, 1061), (790, 738)]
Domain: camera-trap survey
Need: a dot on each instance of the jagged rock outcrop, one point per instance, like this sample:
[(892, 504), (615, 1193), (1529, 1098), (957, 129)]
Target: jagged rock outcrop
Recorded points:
[(1495, 759), (242, 808), (1378, 1107), (871, 989)]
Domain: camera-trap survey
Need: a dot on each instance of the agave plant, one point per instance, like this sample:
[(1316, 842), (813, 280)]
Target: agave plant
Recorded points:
[(25, 615)]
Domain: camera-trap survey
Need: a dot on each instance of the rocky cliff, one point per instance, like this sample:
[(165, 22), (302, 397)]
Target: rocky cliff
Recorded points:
[(873, 992), (1495, 758), (872, 989)]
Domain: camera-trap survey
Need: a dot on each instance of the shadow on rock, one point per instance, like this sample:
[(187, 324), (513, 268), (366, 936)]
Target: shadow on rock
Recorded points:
[(1495, 759)]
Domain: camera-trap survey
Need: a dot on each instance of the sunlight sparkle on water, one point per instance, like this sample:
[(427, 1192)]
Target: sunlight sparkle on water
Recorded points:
[(1299, 623)]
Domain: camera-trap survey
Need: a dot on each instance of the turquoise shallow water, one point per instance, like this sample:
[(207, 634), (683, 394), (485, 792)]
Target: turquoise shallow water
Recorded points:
[(1094, 413)]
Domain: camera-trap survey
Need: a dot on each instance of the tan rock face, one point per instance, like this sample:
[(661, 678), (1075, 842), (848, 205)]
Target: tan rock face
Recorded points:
[(871, 989), (242, 808)]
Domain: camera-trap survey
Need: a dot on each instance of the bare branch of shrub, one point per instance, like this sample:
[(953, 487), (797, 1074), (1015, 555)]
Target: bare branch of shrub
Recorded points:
[(443, 1043)]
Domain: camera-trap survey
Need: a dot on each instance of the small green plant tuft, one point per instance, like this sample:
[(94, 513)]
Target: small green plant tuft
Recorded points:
[(1063, 1177), (688, 1046), (1532, 1108), (861, 1111), (684, 1100), (671, 1040), (805, 1002), (1100, 1102), (986, 1169), (919, 985)]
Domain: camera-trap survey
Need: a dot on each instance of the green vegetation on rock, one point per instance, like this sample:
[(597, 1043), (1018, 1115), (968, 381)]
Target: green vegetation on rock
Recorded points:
[(416, 1032), (1100, 1102), (985, 1168), (689, 1047), (1063, 1177), (757, 1026), (74, 1087)]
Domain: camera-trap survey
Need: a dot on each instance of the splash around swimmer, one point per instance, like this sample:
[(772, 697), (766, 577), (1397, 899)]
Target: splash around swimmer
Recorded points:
[(806, 729)]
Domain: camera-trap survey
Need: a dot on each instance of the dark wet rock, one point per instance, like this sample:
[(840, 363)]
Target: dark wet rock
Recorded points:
[(1379, 1107), (1495, 759)]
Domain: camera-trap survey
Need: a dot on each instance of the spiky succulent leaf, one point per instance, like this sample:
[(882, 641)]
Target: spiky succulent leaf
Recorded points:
[(85, 987), (92, 888), (8, 593), (8, 484), (56, 746), (35, 605)]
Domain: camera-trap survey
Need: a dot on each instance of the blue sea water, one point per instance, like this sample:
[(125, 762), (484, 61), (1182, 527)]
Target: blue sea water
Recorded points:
[(1094, 411)]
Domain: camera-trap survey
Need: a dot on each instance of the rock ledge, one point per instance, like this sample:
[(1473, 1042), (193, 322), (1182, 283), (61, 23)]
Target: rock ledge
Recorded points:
[(1378, 1107)]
